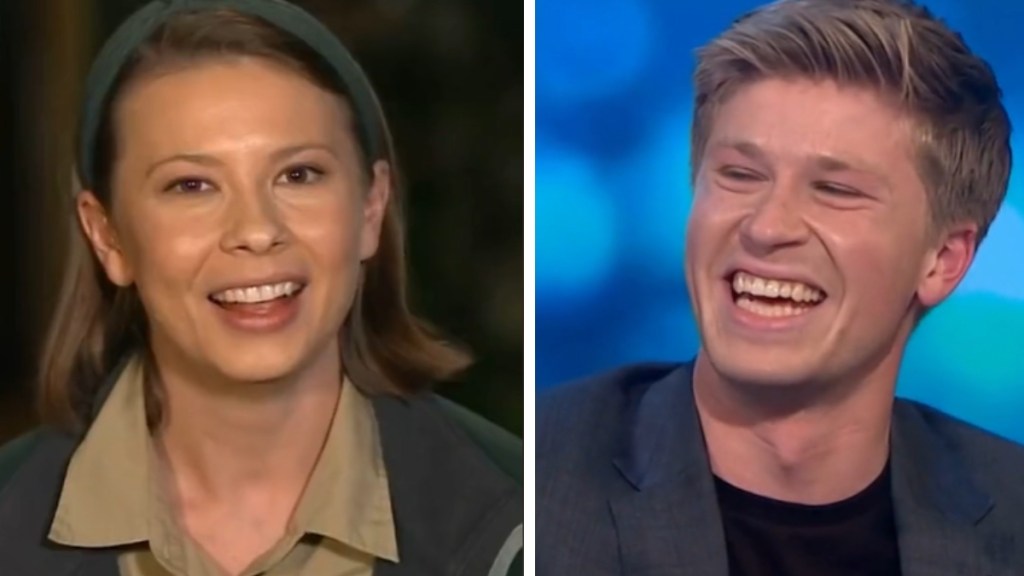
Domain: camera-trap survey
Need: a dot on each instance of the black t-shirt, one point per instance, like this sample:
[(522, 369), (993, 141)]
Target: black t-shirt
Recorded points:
[(853, 537)]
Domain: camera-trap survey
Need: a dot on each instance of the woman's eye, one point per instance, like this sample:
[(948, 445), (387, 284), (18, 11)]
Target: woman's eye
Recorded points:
[(188, 186), (300, 175)]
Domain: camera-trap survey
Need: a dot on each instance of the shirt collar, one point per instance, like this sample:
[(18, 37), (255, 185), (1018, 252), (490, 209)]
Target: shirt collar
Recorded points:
[(107, 497)]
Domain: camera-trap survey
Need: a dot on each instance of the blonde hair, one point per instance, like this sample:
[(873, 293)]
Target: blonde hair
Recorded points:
[(385, 348), (897, 48)]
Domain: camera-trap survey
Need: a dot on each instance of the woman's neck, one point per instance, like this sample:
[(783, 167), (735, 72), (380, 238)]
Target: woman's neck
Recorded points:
[(225, 440)]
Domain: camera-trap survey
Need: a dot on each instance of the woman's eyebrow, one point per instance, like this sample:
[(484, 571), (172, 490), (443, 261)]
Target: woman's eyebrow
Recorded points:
[(211, 160)]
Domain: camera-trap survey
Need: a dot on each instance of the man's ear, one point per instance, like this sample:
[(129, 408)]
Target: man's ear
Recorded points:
[(375, 207), (947, 264), (103, 238)]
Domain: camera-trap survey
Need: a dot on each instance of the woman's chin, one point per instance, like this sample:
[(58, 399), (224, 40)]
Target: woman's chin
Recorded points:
[(258, 367)]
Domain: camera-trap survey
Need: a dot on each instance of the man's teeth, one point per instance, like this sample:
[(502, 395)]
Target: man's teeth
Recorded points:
[(744, 283), (770, 310), (256, 294)]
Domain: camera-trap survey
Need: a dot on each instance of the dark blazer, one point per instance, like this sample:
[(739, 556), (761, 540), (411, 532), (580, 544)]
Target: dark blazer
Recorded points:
[(624, 485), (455, 480)]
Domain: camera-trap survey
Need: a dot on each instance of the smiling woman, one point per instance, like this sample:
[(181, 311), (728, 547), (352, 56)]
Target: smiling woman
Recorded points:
[(234, 383)]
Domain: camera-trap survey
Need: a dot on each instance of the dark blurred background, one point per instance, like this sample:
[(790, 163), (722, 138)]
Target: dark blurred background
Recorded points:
[(450, 76)]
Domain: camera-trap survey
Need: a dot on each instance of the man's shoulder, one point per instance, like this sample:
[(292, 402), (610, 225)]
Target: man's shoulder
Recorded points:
[(965, 437), (995, 462), (605, 386), (592, 408)]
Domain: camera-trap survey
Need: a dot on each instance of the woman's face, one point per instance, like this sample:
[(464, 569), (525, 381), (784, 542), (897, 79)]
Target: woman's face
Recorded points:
[(241, 215)]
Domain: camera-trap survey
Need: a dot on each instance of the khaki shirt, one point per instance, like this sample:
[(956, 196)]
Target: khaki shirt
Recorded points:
[(111, 497)]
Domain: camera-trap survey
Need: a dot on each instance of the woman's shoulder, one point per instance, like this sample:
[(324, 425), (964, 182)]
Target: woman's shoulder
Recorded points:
[(503, 448), (15, 452), (44, 448), (455, 476)]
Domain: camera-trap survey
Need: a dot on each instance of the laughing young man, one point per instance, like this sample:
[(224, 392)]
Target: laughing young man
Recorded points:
[(848, 158)]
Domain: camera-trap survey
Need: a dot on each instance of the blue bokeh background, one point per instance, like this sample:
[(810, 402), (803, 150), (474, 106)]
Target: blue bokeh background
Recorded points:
[(613, 115)]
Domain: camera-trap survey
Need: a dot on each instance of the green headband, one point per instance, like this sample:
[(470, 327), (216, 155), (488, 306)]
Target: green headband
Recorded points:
[(288, 17)]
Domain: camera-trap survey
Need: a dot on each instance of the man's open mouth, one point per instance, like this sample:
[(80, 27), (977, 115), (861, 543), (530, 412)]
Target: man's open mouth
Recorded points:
[(774, 297)]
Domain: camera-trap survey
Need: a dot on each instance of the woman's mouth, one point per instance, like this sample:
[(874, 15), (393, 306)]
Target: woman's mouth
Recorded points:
[(259, 309), (254, 295)]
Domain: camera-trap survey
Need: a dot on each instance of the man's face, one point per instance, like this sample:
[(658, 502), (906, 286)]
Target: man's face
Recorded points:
[(809, 247)]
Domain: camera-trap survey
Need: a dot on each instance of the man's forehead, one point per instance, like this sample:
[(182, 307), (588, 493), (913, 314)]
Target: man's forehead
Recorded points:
[(804, 95), (835, 127)]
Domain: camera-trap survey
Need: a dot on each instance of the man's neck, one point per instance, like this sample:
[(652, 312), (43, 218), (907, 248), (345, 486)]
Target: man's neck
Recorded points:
[(816, 447)]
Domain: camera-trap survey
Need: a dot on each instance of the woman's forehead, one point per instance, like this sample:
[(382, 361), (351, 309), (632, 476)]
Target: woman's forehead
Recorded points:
[(229, 100)]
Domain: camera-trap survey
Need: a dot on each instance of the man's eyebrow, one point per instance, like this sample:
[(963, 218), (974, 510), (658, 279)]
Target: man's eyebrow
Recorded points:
[(831, 163), (826, 162), (744, 147)]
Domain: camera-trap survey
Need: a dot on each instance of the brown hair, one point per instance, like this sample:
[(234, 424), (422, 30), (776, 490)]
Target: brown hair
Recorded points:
[(385, 348), (892, 46)]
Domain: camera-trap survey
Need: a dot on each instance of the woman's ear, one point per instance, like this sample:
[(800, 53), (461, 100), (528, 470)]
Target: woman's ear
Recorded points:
[(375, 207), (103, 238)]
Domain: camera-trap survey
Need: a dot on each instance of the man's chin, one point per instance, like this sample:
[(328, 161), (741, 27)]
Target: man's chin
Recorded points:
[(770, 371)]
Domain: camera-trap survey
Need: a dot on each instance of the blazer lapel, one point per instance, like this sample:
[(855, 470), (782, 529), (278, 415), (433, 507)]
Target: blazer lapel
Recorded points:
[(937, 505), (668, 520)]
